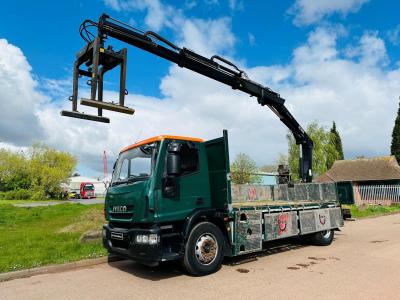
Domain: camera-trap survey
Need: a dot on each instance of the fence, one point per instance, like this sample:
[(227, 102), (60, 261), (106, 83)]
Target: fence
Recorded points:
[(377, 194)]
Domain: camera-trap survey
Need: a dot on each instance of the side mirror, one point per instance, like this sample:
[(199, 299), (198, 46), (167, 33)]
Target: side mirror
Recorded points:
[(173, 160), (173, 170)]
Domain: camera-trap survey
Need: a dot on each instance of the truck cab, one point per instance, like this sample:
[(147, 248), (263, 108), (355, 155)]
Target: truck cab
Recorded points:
[(158, 187), (86, 190), (170, 198)]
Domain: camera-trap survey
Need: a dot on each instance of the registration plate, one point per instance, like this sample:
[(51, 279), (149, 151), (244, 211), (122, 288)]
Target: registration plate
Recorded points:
[(117, 236)]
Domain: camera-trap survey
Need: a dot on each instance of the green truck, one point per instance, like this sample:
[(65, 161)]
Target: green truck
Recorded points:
[(171, 198)]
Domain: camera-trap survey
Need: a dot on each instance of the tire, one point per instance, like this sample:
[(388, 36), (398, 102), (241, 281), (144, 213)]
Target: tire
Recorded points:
[(323, 238), (204, 250)]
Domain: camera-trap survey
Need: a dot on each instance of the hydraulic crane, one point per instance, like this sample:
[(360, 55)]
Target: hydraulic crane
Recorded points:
[(98, 60)]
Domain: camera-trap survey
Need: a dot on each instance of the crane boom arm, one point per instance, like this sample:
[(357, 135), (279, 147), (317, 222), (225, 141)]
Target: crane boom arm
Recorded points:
[(99, 60)]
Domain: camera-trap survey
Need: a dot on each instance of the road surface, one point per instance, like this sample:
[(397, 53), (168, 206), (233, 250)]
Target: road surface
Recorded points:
[(362, 263)]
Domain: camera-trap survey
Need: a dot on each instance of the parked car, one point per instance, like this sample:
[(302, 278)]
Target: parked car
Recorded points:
[(74, 195)]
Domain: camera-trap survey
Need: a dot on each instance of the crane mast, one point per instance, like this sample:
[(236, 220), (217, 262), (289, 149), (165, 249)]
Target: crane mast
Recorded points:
[(99, 59)]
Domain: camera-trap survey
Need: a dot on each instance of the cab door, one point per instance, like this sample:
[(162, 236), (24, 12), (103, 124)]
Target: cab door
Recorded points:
[(219, 171), (191, 185)]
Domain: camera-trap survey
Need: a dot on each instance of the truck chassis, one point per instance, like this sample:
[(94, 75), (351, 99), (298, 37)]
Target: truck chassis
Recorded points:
[(246, 227)]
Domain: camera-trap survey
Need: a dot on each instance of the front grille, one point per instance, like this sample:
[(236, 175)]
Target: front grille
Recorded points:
[(122, 215), (123, 225), (126, 216)]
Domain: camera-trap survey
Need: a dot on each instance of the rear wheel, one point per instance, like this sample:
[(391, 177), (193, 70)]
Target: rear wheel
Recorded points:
[(323, 238), (204, 249)]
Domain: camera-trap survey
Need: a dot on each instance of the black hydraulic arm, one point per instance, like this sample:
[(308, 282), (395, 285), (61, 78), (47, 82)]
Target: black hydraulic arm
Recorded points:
[(149, 41), (216, 68)]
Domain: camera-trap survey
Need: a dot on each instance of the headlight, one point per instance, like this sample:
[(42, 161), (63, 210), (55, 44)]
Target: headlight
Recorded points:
[(139, 239), (145, 239), (153, 239), (149, 239)]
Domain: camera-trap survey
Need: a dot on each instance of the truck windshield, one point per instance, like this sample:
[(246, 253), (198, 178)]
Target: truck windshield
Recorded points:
[(88, 187), (135, 164)]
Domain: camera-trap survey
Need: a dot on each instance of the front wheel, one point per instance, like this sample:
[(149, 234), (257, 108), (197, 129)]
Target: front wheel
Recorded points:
[(323, 238), (204, 249)]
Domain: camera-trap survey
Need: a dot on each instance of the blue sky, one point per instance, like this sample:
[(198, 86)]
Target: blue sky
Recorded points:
[(47, 32), (331, 60)]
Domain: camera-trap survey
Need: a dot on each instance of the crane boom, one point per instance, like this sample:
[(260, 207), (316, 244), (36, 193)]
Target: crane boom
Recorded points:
[(99, 60)]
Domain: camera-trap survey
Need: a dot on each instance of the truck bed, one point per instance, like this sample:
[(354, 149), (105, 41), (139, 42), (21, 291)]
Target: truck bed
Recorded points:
[(298, 195), (263, 213), (262, 203)]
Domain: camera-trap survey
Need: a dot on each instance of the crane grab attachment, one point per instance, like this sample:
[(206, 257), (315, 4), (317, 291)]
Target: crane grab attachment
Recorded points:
[(99, 59)]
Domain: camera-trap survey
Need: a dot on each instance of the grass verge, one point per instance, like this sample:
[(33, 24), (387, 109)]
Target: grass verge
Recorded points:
[(5, 202), (38, 236), (373, 210)]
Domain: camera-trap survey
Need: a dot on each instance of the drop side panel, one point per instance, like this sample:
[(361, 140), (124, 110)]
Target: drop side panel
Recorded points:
[(248, 233), (280, 225)]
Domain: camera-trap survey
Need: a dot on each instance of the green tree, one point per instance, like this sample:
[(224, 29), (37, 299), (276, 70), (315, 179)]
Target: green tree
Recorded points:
[(14, 171), (37, 173), (244, 169), (395, 146), (334, 138), (268, 168), (49, 169), (323, 149), (282, 159)]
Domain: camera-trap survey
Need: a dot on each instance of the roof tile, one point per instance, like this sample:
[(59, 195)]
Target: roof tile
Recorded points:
[(364, 169)]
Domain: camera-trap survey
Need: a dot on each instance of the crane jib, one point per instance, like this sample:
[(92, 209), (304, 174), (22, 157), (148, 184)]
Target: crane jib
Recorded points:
[(98, 60)]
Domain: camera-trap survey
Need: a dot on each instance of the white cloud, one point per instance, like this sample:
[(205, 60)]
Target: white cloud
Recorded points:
[(252, 39), (157, 16), (236, 4), (114, 4), (189, 4), (312, 11), (19, 99), (394, 35), (12, 147), (207, 37), (371, 50), (320, 83), (192, 105)]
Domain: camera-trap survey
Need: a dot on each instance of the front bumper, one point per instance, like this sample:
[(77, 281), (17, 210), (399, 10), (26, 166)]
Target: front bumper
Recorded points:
[(122, 242)]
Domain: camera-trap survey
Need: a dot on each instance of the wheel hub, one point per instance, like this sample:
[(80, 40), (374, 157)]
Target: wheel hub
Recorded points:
[(206, 248)]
